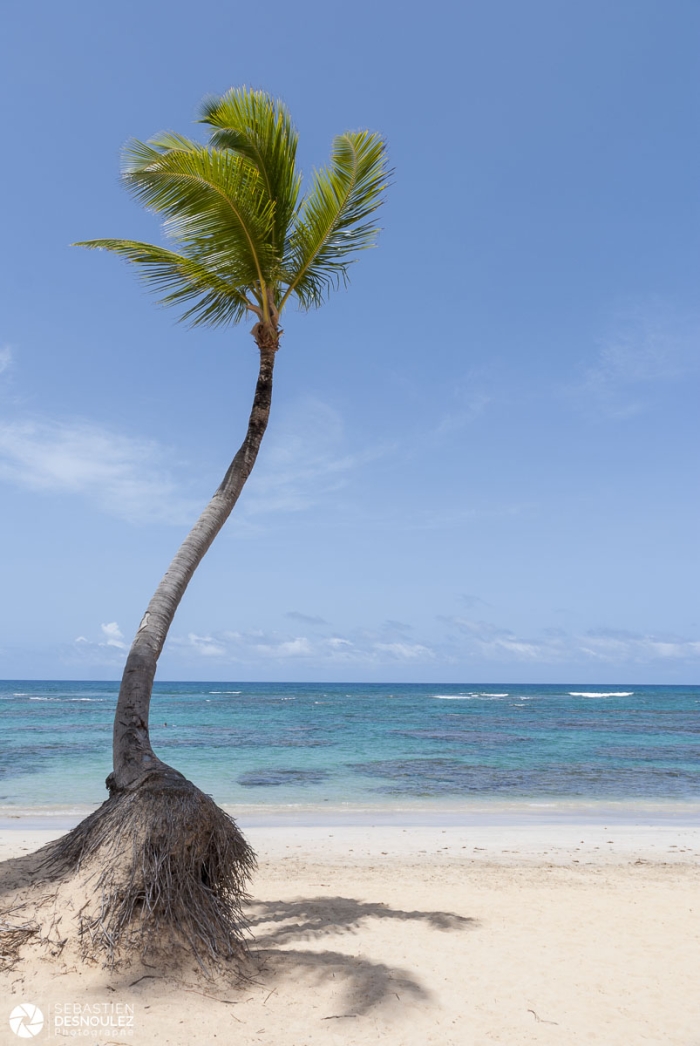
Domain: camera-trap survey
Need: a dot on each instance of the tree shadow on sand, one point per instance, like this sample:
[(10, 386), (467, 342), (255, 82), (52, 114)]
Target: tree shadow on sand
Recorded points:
[(27, 869), (278, 924), (31, 911)]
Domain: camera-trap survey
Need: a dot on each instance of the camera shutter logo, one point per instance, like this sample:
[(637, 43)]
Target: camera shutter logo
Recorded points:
[(26, 1020)]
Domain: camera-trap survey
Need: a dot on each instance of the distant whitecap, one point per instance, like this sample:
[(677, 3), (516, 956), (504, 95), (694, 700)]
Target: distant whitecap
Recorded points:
[(595, 693), (467, 697), (455, 697)]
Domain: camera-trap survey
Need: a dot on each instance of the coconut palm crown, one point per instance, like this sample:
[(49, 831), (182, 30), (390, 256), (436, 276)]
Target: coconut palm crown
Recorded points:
[(245, 239)]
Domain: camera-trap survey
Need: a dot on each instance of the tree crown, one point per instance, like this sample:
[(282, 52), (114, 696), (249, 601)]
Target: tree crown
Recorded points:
[(244, 237)]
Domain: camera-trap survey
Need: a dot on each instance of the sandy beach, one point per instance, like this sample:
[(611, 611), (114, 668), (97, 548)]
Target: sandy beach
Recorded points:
[(550, 933)]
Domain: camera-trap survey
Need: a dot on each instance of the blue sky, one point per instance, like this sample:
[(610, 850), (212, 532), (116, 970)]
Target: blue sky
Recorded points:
[(482, 459)]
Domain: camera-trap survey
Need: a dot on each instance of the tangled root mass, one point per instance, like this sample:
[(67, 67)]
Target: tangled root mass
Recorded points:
[(167, 869)]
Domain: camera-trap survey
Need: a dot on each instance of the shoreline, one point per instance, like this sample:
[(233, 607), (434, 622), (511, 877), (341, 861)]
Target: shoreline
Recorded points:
[(564, 832), (481, 813)]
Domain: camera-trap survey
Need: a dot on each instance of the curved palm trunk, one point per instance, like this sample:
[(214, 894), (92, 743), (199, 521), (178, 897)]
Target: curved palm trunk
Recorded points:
[(134, 758)]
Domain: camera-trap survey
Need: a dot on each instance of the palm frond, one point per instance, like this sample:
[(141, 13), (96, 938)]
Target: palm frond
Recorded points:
[(213, 202), (219, 297), (331, 223), (258, 127)]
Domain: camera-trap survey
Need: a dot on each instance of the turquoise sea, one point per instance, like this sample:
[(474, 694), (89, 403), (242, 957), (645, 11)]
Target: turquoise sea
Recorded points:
[(260, 746)]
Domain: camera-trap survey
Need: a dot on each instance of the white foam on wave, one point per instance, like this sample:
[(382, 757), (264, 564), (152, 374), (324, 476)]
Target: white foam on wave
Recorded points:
[(225, 691), (595, 693), (467, 697), (33, 697)]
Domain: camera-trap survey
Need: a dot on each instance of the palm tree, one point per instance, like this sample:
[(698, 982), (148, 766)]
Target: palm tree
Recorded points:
[(244, 241)]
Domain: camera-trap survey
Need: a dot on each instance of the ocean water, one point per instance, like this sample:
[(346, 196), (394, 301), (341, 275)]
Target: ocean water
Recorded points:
[(259, 745)]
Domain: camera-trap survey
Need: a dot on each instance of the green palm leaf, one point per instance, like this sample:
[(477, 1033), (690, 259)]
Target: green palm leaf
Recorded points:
[(219, 297), (331, 222), (213, 201), (258, 127)]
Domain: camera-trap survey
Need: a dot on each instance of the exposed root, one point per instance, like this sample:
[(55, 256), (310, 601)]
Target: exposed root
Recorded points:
[(164, 870), (13, 936)]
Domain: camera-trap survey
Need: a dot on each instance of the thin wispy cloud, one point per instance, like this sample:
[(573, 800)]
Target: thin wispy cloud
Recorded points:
[(471, 601), (405, 651), (489, 642), (455, 518), (303, 461), (206, 646), (397, 626), (468, 408), (257, 647), (121, 475), (306, 619), (611, 646), (462, 641), (645, 346)]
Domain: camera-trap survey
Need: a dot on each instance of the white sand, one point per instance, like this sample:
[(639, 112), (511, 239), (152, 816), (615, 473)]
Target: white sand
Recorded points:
[(448, 936)]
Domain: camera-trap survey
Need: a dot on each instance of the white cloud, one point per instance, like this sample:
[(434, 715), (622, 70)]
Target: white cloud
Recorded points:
[(239, 646), (109, 650), (300, 647), (113, 635), (488, 641), (404, 651), (484, 640), (256, 646), (610, 646), (121, 475), (207, 646), (463, 640)]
